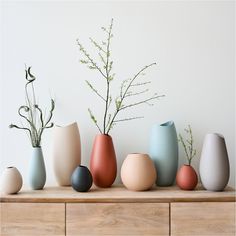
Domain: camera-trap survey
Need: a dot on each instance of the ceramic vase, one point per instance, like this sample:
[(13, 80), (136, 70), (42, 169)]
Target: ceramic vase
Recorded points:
[(214, 163), (138, 172), (11, 180), (37, 171), (81, 179), (186, 178), (164, 152), (66, 152), (103, 161)]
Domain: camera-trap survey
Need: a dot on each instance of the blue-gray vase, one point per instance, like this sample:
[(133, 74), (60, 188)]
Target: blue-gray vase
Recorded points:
[(164, 152), (37, 172)]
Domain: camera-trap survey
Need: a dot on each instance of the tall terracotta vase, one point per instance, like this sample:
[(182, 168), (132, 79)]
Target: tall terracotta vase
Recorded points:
[(214, 163), (103, 161), (66, 152)]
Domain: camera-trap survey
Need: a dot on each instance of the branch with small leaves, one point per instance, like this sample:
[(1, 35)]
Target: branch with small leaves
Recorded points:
[(33, 116), (127, 89), (188, 144)]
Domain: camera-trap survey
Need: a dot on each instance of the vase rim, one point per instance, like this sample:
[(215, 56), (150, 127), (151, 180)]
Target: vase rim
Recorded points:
[(216, 134), (66, 125), (167, 123), (138, 154), (83, 166), (104, 135), (10, 167)]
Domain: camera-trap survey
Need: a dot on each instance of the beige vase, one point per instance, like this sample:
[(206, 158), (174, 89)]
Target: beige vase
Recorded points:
[(66, 152), (11, 180), (138, 172)]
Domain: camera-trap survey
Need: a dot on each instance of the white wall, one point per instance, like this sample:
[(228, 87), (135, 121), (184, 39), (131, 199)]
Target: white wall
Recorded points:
[(193, 43)]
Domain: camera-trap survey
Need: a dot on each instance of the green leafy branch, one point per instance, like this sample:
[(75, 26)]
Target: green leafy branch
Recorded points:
[(32, 114), (127, 89), (188, 145)]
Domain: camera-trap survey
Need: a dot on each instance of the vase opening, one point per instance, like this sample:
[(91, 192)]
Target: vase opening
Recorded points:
[(82, 166), (219, 135), (66, 126), (168, 123), (10, 167)]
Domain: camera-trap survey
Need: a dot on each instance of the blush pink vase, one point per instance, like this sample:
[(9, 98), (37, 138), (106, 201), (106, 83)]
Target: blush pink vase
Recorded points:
[(138, 172)]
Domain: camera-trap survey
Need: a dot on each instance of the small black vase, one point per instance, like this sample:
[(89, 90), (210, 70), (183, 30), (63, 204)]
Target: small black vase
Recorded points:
[(81, 179)]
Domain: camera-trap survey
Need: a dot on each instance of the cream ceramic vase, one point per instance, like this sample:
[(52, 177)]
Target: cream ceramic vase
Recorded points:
[(11, 181), (138, 172), (66, 152)]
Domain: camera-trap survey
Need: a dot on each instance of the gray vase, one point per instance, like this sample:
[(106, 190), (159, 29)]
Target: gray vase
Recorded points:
[(37, 172), (214, 163)]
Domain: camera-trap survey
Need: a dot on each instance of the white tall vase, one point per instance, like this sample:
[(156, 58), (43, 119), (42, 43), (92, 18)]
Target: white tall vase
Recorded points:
[(214, 163), (66, 152)]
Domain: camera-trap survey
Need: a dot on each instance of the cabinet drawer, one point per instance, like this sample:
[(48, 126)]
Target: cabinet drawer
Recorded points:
[(203, 218), (117, 219), (23, 219)]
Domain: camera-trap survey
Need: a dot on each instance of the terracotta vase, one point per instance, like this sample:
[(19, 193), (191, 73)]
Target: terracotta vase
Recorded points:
[(186, 178), (66, 152), (103, 161), (11, 180), (138, 172)]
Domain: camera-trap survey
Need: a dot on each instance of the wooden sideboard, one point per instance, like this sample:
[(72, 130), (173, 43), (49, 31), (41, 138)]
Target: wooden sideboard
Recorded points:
[(118, 211)]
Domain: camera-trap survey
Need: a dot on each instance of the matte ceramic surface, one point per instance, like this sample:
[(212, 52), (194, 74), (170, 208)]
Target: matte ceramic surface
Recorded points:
[(214, 163), (186, 178), (164, 152), (81, 179), (11, 180), (138, 172), (103, 161), (37, 172), (66, 152)]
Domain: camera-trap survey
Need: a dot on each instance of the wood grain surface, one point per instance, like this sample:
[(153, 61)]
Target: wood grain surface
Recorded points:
[(117, 219), (25, 219), (203, 218), (119, 194)]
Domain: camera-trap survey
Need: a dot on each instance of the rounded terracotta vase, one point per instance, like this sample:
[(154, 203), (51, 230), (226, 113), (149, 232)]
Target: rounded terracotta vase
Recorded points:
[(66, 152), (186, 178), (138, 172), (103, 161)]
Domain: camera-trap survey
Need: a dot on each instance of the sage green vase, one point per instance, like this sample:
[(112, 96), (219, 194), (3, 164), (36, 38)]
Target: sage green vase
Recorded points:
[(164, 152), (37, 172)]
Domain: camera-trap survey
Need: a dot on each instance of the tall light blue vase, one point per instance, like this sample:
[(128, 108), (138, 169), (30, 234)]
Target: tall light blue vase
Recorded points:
[(164, 152), (37, 172)]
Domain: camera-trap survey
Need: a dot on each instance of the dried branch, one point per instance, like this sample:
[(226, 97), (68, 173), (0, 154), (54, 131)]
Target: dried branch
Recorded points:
[(33, 112), (126, 92), (188, 145), (95, 90)]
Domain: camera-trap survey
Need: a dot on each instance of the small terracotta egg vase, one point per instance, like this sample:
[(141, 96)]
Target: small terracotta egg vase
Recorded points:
[(187, 178)]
